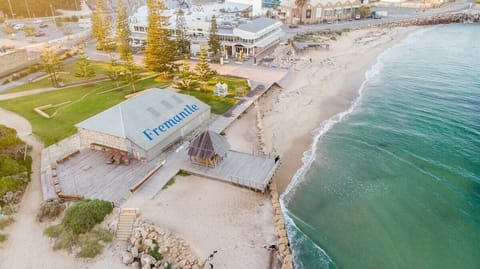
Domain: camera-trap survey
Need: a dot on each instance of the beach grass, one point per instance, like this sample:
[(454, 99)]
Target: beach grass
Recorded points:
[(78, 104)]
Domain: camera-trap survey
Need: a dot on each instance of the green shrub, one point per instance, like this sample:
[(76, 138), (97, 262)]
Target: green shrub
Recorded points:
[(50, 209), (182, 173), (154, 252), (9, 166), (66, 240), (8, 184), (102, 235), (3, 237), (83, 215), (53, 231), (169, 183), (91, 243), (5, 221), (90, 249)]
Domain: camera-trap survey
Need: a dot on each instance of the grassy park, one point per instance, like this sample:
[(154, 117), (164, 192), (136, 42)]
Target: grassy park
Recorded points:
[(66, 75), (71, 105), (77, 104)]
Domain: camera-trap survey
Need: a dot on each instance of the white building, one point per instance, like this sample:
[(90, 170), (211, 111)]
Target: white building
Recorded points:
[(236, 33), (145, 125)]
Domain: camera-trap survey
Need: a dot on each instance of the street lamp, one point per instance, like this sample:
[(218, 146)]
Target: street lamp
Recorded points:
[(53, 16), (11, 10), (28, 9)]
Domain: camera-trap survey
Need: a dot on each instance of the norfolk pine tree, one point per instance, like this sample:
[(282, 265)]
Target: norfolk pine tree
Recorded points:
[(183, 44), (160, 50), (131, 74), (203, 70), (188, 80), (101, 26), (213, 42), (84, 66), (122, 34)]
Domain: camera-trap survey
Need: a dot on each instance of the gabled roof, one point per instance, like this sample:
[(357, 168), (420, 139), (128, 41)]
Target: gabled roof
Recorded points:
[(256, 25), (143, 113), (208, 144)]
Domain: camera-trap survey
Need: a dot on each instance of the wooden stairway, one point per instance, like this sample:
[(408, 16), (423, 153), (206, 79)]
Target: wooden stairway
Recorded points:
[(125, 223)]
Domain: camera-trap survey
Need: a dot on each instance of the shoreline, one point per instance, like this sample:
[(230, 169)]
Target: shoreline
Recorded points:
[(289, 117), (326, 95)]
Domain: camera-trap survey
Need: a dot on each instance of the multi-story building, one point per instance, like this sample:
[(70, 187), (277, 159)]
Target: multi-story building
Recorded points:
[(237, 33), (318, 11)]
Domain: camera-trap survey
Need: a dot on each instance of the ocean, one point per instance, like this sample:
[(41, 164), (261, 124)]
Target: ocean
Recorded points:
[(394, 181)]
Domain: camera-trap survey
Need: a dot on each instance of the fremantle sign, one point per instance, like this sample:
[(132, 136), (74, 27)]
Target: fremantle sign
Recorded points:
[(170, 123)]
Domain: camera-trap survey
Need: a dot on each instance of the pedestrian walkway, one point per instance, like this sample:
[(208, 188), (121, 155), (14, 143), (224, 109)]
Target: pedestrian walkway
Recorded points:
[(21, 81)]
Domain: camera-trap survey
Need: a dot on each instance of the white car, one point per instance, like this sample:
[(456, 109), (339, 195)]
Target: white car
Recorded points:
[(37, 21), (18, 26)]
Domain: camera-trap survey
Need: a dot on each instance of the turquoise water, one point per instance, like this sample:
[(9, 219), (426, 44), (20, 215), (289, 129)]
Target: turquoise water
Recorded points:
[(395, 181)]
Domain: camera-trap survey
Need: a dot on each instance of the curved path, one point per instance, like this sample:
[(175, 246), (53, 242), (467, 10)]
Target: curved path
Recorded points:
[(27, 247)]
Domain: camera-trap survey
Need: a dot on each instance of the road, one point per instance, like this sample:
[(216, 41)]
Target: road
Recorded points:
[(395, 14)]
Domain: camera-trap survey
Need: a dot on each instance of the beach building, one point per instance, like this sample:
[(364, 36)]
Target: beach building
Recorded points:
[(208, 148), (144, 126), (237, 33), (318, 11)]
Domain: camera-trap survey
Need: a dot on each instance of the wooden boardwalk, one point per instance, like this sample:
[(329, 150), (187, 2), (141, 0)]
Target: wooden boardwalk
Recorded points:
[(87, 174), (243, 169)]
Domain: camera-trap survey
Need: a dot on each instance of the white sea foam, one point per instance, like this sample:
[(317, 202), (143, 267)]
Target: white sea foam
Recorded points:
[(310, 155)]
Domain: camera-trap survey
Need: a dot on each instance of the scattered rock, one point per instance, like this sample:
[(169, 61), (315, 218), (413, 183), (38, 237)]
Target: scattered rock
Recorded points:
[(147, 259), (127, 258), (134, 251), (135, 265)]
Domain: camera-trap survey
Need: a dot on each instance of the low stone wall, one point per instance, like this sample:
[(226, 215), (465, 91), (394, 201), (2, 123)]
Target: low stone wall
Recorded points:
[(462, 17), (148, 239), (13, 61)]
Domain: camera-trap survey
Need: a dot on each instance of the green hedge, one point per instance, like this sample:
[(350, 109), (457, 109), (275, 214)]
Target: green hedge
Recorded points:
[(82, 216)]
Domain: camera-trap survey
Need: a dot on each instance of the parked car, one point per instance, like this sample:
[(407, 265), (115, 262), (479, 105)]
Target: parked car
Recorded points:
[(18, 26), (39, 33), (43, 25), (292, 26), (37, 21), (357, 17)]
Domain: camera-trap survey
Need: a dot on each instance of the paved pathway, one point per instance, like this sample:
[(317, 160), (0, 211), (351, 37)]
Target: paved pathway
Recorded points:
[(21, 81)]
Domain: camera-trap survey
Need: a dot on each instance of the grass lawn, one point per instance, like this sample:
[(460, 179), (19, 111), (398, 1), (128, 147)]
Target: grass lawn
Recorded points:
[(66, 75), (219, 105), (232, 82), (85, 101)]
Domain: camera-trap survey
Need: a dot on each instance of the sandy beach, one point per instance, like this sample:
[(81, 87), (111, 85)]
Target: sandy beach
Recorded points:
[(209, 214), (314, 94)]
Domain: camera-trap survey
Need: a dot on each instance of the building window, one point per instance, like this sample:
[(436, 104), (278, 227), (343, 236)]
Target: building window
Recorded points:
[(308, 14)]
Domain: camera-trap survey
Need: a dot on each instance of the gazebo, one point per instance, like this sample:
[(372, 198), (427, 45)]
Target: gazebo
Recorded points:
[(208, 148)]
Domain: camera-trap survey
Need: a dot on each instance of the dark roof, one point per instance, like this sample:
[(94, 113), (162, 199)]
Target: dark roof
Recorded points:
[(208, 144)]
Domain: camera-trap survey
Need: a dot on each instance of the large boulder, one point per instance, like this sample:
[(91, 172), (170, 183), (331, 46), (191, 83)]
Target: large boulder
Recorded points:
[(135, 265), (134, 252), (127, 258), (147, 259)]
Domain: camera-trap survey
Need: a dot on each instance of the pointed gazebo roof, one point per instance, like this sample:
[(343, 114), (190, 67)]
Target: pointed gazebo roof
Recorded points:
[(208, 144)]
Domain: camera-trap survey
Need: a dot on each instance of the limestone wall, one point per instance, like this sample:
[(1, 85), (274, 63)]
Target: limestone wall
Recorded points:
[(88, 137), (12, 61)]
